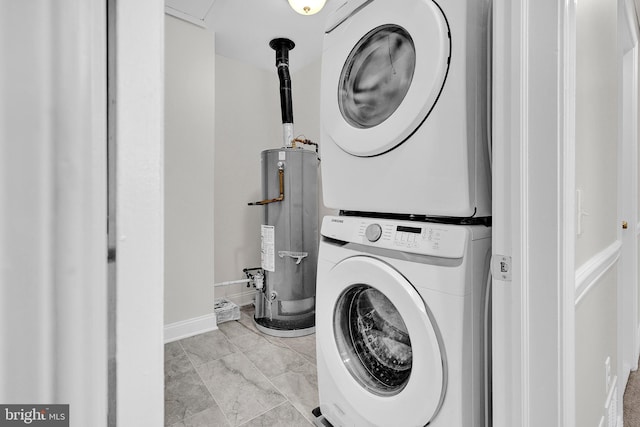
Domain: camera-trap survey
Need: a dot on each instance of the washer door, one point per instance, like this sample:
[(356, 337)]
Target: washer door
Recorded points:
[(383, 74), (379, 343)]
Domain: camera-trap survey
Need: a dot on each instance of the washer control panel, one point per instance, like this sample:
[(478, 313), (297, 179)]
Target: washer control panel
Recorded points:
[(442, 240)]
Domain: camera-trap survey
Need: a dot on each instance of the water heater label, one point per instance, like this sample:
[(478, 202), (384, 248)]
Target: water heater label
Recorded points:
[(268, 247)]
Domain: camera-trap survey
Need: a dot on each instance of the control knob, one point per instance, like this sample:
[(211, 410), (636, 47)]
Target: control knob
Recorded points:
[(373, 232)]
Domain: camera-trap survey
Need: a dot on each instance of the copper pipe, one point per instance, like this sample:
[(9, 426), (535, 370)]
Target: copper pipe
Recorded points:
[(305, 141), (280, 197)]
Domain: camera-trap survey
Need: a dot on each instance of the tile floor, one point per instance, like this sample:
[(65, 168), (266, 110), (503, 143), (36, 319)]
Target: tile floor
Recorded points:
[(237, 376)]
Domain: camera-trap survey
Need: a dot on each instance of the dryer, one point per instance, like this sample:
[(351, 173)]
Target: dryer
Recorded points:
[(400, 323), (404, 117)]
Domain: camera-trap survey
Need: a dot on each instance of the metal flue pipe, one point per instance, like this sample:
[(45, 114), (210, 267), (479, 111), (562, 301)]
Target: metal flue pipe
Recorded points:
[(282, 47)]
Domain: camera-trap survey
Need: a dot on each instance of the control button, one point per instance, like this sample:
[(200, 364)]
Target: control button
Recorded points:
[(373, 232)]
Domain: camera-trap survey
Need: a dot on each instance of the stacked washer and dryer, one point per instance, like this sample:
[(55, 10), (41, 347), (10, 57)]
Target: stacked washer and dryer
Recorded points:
[(402, 300)]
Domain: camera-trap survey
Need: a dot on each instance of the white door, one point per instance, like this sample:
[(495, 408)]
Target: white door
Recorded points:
[(379, 343), (387, 66), (628, 201)]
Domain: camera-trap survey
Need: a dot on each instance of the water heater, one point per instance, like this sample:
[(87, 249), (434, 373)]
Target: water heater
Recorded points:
[(285, 306), (285, 300)]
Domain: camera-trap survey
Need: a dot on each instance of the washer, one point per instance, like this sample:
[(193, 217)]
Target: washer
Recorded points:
[(404, 108), (401, 309)]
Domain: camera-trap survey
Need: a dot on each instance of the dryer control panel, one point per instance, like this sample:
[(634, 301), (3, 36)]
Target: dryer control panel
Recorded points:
[(441, 240)]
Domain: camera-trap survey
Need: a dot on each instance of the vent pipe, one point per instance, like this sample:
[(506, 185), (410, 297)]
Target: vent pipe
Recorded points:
[(282, 48)]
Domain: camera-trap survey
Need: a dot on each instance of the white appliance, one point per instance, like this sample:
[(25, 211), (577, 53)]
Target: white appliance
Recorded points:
[(401, 309), (404, 108)]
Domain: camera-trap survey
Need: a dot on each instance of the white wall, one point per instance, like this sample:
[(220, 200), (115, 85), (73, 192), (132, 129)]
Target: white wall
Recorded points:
[(248, 121), (596, 177), (189, 173), (596, 125), (305, 84)]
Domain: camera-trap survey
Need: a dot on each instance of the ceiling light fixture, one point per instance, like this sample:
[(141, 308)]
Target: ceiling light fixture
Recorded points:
[(307, 7)]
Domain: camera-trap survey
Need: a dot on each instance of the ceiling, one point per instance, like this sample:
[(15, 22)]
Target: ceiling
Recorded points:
[(243, 28)]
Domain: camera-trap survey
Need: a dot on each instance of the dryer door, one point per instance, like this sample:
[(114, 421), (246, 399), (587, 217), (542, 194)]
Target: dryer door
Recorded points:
[(383, 71), (380, 344)]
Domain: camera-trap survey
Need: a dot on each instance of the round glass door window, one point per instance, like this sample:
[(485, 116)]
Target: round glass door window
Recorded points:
[(376, 76), (373, 340)]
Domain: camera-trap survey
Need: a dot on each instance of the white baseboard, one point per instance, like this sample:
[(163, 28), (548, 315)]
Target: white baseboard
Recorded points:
[(242, 298), (190, 327)]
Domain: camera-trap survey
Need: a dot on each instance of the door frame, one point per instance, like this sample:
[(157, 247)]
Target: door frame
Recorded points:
[(533, 212), (137, 63)]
